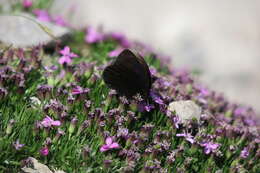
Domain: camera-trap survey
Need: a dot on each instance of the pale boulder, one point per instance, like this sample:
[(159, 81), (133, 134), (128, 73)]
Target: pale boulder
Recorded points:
[(186, 110)]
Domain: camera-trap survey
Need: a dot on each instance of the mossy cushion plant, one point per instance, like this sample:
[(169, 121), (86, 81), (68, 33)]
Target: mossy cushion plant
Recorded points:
[(56, 108)]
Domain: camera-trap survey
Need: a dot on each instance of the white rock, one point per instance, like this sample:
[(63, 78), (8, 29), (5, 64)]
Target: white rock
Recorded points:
[(22, 32), (186, 110), (39, 168), (36, 167)]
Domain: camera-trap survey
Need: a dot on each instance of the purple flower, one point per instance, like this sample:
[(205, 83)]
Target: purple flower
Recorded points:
[(59, 20), (122, 132), (42, 15), (153, 71), (79, 90), (55, 106), (123, 100), (93, 36), (147, 127), (48, 141), (116, 52), (17, 145), (48, 122), (156, 98), (60, 132), (66, 52), (112, 93), (44, 151), (27, 3), (244, 153), (239, 111), (50, 68), (148, 107), (120, 120), (187, 136), (84, 125), (152, 166), (142, 106), (137, 98), (171, 157), (87, 105), (63, 60), (176, 121), (44, 91), (109, 145), (3, 92), (131, 115), (66, 55), (130, 154), (209, 147), (203, 92), (121, 38)]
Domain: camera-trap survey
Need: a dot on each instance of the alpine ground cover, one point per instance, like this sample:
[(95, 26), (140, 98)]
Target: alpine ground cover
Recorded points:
[(55, 107)]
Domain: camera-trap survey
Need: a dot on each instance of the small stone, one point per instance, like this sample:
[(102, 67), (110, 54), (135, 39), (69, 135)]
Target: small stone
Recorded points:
[(36, 167), (186, 110)]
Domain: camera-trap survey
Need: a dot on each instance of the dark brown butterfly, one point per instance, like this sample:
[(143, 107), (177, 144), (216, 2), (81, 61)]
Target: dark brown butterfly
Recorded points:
[(128, 74)]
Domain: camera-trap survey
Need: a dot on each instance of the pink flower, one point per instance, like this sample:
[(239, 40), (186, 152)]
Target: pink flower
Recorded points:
[(65, 59), (187, 136), (44, 151), (48, 122), (66, 56), (244, 153), (59, 20), (109, 145), (66, 52), (93, 36), (121, 38), (79, 90), (204, 92), (209, 147), (148, 107), (17, 145), (176, 121), (239, 111), (42, 15), (115, 52), (142, 106), (153, 71), (27, 3)]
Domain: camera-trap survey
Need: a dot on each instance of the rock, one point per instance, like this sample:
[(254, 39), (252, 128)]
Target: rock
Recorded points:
[(22, 32), (38, 167), (186, 110)]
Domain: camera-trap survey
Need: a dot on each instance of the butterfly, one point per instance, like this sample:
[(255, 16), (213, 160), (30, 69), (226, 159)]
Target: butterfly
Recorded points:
[(128, 74)]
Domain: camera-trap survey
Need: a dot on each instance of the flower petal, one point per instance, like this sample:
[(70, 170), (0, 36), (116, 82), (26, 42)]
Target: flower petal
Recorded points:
[(114, 145), (109, 141), (104, 148), (65, 51), (73, 55), (56, 123)]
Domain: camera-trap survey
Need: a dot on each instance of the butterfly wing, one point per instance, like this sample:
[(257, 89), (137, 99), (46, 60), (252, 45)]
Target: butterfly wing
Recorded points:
[(128, 74)]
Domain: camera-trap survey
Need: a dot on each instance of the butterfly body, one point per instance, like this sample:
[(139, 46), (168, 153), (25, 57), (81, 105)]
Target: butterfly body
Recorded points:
[(128, 74)]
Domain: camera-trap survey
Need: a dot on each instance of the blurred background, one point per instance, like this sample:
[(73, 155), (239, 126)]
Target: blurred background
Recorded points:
[(221, 39)]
